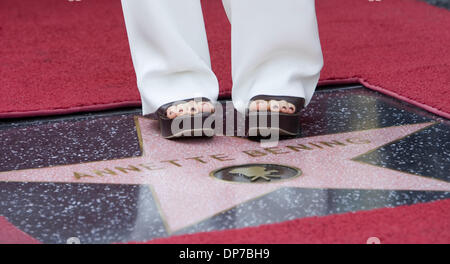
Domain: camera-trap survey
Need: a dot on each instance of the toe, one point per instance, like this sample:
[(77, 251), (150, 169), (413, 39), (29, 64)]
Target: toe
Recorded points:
[(291, 108), (181, 109), (206, 107), (171, 112), (253, 107), (258, 105), (192, 107), (283, 106), (274, 106), (262, 105)]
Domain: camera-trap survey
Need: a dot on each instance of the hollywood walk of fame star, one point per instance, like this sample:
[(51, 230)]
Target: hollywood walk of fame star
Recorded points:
[(179, 171)]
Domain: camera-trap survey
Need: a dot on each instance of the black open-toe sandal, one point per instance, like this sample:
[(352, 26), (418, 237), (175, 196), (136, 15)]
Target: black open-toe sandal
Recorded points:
[(186, 118), (263, 110)]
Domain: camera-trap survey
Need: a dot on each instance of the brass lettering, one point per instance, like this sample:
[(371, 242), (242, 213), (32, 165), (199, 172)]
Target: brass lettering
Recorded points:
[(299, 147), (78, 175), (333, 142), (276, 150), (220, 157), (254, 153), (197, 159), (172, 162), (150, 167), (316, 145), (358, 141), (129, 168), (106, 171)]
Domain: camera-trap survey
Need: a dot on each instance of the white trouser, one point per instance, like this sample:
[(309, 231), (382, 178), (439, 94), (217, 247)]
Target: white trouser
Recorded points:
[(275, 50)]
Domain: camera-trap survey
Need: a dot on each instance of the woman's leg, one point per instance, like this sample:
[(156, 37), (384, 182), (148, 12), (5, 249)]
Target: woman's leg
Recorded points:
[(275, 49), (169, 51)]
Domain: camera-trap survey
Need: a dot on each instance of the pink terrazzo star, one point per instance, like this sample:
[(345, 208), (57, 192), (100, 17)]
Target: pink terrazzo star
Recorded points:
[(179, 171)]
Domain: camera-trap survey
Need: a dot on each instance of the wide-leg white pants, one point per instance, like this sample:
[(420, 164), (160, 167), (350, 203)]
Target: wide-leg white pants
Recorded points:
[(275, 50)]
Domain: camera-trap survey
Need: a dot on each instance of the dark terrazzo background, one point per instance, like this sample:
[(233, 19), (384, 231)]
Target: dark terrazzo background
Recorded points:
[(292, 203), (103, 213), (425, 153), (440, 3), (43, 144), (95, 213), (335, 110)]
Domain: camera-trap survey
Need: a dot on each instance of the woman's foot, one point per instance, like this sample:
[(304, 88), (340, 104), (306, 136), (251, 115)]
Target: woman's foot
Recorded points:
[(281, 113), (281, 106), (196, 118), (190, 108)]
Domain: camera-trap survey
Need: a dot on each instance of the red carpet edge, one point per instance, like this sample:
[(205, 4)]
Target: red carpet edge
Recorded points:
[(411, 224), (109, 106)]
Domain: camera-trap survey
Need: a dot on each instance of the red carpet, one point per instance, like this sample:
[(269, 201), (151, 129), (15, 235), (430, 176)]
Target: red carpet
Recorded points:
[(9, 234), (420, 223), (61, 57)]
